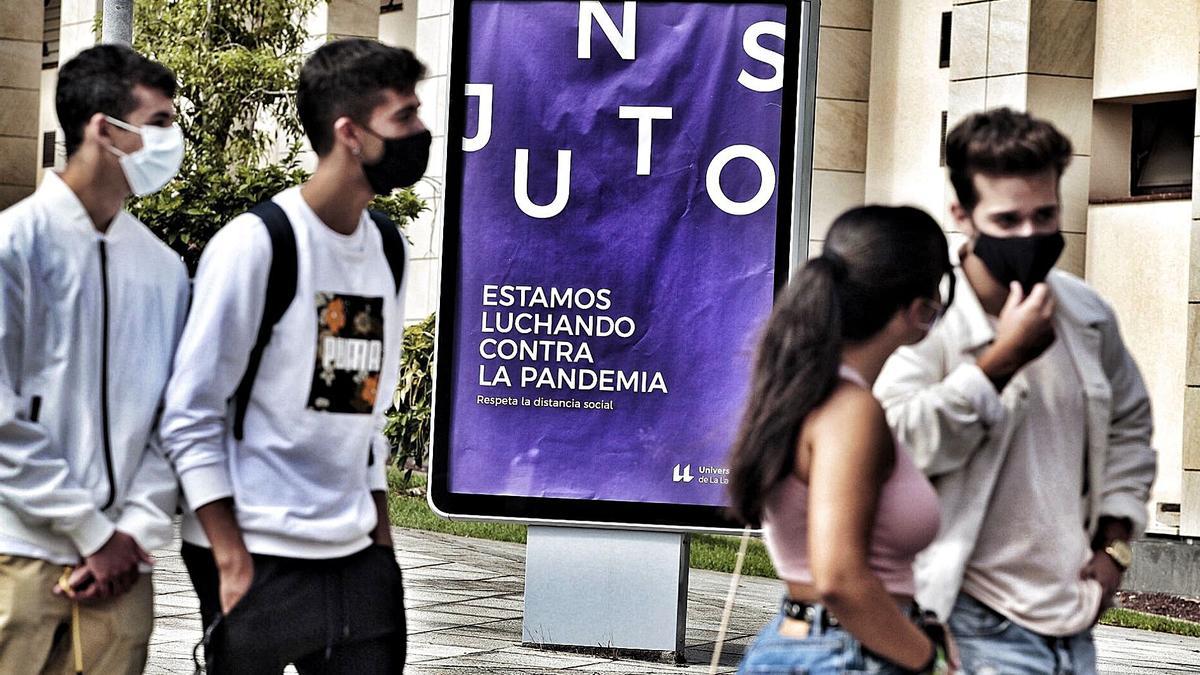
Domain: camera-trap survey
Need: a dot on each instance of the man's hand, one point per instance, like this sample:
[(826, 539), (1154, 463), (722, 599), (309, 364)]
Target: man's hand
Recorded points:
[(110, 571), (236, 571), (235, 567), (1104, 570), (1024, 332), (382, 535)]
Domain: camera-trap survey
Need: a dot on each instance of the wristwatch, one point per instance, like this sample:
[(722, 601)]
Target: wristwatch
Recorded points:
[(1121, 553)]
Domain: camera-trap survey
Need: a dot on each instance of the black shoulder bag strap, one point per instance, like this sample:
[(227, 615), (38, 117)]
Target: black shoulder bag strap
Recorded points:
[(393, 245), (281, 289)]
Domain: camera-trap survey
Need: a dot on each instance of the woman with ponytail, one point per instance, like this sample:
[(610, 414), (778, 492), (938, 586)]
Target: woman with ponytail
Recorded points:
[(843, 509)]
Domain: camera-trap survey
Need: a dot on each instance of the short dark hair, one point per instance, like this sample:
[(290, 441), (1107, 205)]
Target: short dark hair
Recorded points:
[(347, 78), (1002, 141), (101, 80)]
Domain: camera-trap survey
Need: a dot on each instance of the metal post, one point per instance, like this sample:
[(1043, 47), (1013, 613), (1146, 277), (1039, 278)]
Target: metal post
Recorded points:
[(118, 22), (806, 109)]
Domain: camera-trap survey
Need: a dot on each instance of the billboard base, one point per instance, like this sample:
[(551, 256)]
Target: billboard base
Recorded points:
[(614, 590)]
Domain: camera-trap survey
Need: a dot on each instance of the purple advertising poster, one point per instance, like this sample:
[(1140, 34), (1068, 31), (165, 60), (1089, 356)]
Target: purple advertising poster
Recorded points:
[(616, 241)]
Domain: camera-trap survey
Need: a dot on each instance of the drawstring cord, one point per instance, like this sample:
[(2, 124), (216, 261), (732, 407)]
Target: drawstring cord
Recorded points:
[(733, 586), (64, 584), (345, 605), (326, 582)]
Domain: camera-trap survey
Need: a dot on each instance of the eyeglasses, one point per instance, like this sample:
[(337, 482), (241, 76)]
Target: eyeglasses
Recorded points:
[(946, 298)]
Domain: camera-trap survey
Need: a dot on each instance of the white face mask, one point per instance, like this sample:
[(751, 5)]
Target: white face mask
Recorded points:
[(149, 169)]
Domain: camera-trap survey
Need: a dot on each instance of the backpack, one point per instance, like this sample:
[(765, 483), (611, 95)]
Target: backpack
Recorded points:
[(281, 288)]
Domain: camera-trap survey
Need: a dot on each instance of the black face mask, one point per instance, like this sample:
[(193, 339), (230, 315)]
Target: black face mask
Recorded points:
[(1026, 260), (403, 162)]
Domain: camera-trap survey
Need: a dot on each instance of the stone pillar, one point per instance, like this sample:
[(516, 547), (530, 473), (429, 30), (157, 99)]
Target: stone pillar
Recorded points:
[(398, 26), (1189, 525), (20, 84), (433, 48), (840, 134), (333, 19), (78, 29), (1038, 56), (909, 92)]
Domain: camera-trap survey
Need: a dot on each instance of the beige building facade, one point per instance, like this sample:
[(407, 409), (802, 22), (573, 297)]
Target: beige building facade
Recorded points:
[(20, 83)]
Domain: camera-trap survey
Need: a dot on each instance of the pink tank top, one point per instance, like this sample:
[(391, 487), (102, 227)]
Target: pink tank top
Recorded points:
[(906, 521)]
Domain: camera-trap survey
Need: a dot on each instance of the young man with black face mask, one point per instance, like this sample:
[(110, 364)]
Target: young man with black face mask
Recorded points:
[(1027, 411), (91, 307), (288, 361)]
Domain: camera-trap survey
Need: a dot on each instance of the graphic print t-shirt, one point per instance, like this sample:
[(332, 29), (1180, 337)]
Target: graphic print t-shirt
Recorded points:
[(312, 451), (349, 353)]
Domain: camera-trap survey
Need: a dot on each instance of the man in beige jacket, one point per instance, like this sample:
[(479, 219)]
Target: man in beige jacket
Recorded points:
[(1028, 413)]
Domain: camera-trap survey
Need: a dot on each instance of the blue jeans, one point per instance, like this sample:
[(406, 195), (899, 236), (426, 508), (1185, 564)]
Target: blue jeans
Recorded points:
[(831, 651), (990, 644)]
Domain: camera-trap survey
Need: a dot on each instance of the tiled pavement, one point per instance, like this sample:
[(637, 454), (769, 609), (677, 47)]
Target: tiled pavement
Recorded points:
[(464, 599)]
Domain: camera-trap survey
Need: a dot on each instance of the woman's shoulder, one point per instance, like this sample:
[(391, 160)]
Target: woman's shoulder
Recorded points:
[(850, 416), (849, 401)]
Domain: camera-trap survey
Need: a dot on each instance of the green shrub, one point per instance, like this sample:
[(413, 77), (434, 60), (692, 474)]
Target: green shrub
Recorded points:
[(407, 427)]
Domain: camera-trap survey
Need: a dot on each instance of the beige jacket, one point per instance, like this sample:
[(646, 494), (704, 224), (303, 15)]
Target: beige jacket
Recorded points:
[(958, 428)]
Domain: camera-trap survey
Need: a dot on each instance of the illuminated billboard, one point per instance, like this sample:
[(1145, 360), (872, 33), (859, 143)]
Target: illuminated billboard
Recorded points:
[(618, 217)]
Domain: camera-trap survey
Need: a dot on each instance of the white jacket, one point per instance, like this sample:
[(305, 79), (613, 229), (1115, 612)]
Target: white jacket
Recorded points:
[(88, 327), (302, 475), (958, 427)]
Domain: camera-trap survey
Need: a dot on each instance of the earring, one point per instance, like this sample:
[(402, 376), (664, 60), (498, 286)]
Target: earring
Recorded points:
[(357, 152)]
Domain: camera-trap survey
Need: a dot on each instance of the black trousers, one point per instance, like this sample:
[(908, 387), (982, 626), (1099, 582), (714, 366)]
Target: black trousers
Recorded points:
[(343, 616)]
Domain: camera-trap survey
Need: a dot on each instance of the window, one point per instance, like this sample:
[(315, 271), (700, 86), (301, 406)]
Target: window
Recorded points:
[(386, 6), (944, 53), (945, 119), (1161, 154), (50, 33), (49, 140)]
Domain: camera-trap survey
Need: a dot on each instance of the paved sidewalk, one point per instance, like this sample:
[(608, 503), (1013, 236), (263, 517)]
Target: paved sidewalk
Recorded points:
[(465, 597)]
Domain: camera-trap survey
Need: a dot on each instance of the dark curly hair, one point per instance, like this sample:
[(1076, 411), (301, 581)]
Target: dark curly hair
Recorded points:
[(1002, 141), (101, 80)]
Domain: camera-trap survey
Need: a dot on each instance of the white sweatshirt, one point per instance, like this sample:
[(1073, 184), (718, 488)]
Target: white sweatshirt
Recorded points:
[(312, 450), (88, 327)]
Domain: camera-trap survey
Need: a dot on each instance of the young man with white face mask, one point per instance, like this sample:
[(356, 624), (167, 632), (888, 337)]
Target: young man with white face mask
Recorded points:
[(289, 359), (91, 308), (1028, 413)]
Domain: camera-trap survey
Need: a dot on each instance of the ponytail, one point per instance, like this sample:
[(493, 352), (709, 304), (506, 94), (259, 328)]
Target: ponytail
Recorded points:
[(876, 260), (795, 370)]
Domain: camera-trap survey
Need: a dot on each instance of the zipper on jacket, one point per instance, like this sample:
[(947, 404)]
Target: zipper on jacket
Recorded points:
[(108, 460), (35, 408)]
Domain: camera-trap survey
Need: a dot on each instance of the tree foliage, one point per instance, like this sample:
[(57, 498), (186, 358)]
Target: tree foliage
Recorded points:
[(237, 62)]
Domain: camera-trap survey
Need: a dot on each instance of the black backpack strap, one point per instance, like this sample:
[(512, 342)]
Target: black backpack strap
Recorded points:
[(281, 289), (393, 245)]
